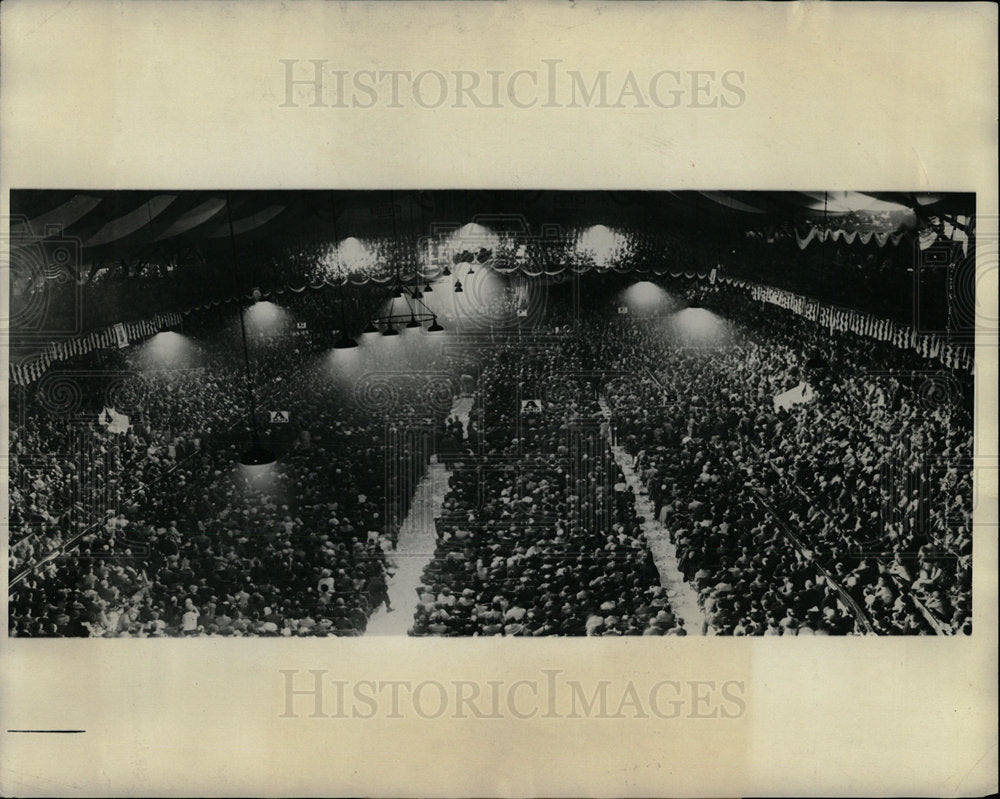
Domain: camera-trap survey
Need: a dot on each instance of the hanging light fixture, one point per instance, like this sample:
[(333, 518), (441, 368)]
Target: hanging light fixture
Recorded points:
[(416, 312), (458, 287), (370, 329), (435, 327), (345, 342), (446, 272), (427, 288), (257, 455)]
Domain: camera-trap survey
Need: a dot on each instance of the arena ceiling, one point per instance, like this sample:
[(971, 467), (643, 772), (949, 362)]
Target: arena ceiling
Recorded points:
[(122, 225)]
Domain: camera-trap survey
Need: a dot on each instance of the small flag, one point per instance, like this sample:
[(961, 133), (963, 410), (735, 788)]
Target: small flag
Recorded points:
[(113, 421)]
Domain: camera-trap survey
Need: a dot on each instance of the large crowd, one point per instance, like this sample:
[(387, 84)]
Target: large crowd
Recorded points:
[(539, 533), (801, 517), (159, 531), (846, 514)]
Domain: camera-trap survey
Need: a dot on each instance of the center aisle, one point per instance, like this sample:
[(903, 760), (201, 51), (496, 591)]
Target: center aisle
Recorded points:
[(416, 544), (681, 594), (415, 548), (461, 409)]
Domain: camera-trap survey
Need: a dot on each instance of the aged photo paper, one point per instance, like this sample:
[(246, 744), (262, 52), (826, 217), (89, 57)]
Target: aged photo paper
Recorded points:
[(227, 231)]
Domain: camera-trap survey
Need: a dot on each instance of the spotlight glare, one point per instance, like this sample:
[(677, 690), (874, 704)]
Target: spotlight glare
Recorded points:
[(168, 349), (601, 243), (645, 297), (699, 325), (264, 316)]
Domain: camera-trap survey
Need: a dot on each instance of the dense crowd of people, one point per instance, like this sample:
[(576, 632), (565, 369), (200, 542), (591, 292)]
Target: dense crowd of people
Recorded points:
[(845, 514), (872, 478), (539, 534), (186, 542)]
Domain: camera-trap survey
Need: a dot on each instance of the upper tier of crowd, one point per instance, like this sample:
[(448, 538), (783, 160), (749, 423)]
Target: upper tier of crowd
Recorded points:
[(876, 279)]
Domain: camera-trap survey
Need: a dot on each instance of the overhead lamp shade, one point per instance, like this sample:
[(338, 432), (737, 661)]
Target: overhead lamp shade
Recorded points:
[(416, 294), (447, 271), (390, 331), (413, 323), (257, 455), (399, 292), (458, 287), (371, 328), (428, 288), (435, 327), (345, 342)]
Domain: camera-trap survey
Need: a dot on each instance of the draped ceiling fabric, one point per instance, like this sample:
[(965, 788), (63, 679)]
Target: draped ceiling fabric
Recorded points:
[(241, 226), (193, 218), (55, 221), (101, 218), (731, 202), (131, 222)]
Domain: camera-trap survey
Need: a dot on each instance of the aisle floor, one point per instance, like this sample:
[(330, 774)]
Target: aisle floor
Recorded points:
[(683, 598)]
